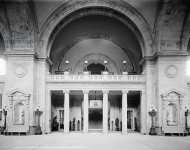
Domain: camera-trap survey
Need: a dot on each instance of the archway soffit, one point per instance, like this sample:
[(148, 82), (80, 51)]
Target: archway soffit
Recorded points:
[(119, 6)]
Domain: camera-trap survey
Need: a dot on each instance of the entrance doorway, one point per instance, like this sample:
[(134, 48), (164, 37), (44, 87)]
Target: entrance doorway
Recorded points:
[(95, 111), (133, 111), (115, 111), (57, 111), (95, 119)]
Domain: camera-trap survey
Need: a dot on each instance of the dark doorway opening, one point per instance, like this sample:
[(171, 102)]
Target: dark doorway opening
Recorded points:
[(133, 111), (96, 68), (95, 119)]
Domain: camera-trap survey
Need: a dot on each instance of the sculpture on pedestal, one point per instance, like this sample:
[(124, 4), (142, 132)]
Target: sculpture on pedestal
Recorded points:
[(152, 112)]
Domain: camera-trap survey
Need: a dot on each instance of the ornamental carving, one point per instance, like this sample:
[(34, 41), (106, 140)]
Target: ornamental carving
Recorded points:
[(19, 103), (171, 109), (171, 71), (20, 71)]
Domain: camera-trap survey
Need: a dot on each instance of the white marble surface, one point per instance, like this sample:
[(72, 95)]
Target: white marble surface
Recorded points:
[(94, 141)]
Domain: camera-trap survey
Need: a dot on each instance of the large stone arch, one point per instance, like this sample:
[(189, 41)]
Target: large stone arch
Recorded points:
[(185, 40), (5, 36), (74, 5)]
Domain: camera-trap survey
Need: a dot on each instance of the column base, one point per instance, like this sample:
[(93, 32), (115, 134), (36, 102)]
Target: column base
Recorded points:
[(66, 132), (124, 132), (152, 131), (85, 131), (105, 132)]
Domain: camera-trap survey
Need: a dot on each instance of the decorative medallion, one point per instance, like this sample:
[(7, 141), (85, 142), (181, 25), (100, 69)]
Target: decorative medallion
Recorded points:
[(171, 71), (20, 71)]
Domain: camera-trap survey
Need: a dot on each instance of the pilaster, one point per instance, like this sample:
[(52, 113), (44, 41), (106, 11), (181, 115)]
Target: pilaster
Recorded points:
[(124, 111), (86, 101), (66, 111), (105, 111)]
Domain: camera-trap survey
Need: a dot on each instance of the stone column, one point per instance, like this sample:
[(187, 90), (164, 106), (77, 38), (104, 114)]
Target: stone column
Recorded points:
[(124, 111), (143, 111), (66, 111), (47, 113), (85, 119), (105, 111)]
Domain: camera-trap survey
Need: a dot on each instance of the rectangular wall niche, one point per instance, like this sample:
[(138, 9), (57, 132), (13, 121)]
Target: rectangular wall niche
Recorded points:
[(172, 115), (19, 106)]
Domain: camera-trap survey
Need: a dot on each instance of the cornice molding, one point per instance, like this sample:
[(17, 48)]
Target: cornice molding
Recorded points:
[(163, 54)]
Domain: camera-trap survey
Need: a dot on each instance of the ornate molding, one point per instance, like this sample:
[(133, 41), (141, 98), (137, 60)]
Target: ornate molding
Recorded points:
[(96, 78), (125, 91), (18, 96), (85, 91), (66, 91), (106, 92)]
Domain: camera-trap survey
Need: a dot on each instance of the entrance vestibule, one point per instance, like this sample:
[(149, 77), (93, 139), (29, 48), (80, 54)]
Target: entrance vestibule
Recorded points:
[(94, 111), (57, 111), (133, 112)]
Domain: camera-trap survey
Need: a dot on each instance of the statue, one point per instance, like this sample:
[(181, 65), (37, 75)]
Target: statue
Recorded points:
[(55, 124), (74, 119), (117, 124), (78, 125)]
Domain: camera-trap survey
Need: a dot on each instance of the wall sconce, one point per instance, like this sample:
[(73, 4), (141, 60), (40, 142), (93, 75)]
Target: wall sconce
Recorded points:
[(67, 62), (85, 65), (105, 63), (124, 62)]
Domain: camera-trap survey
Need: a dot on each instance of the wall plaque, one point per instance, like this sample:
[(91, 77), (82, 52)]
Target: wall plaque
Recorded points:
[(20, 71), (95, 104), (171, 71)]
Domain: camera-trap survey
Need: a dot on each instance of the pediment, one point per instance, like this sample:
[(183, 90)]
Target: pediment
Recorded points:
[(18, 94), (172, 95)]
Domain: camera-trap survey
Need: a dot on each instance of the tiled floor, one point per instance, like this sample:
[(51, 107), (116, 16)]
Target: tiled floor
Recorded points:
[(94, 141)]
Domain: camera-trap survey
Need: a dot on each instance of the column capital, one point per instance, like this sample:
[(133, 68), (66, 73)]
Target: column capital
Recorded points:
[(105, 91), (66, 91), (85, 91), (142, 92), (125, 91)]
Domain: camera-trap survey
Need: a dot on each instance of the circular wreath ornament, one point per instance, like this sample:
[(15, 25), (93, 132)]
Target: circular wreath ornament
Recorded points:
[(171, 71), (20, 71)]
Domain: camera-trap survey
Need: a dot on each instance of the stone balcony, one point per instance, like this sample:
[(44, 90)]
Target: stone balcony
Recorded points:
[(96, 78)]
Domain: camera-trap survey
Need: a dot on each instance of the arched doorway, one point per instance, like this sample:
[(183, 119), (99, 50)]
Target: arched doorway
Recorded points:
[(83, 32), (96, 68), (2, 45)]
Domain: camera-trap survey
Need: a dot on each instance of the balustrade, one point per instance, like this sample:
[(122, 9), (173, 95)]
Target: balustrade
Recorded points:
[(95, 78)]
